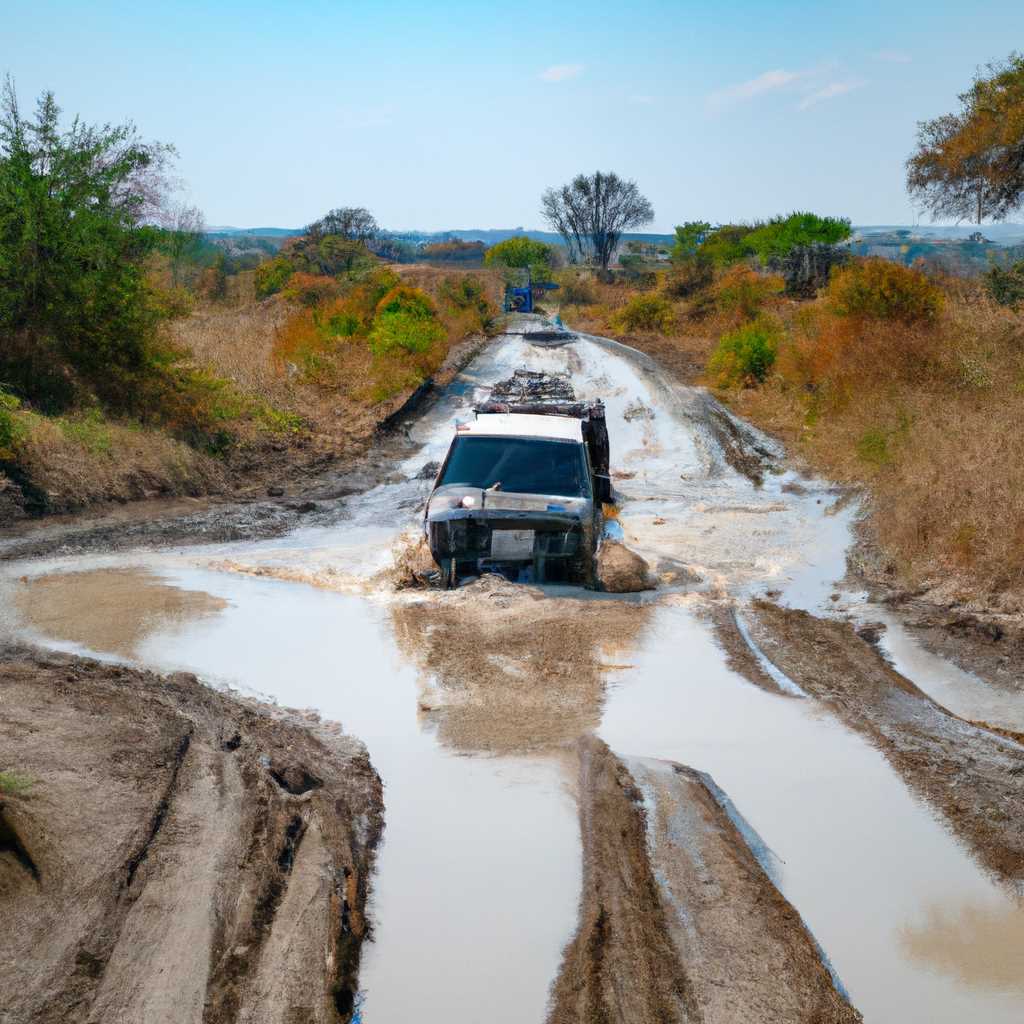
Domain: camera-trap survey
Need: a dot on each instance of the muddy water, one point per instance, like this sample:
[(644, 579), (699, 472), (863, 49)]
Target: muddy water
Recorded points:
[(865, 863), (479, 873)]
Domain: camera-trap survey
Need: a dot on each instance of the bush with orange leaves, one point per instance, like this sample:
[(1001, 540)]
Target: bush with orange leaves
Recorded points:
[(880, 289), (380, 335)]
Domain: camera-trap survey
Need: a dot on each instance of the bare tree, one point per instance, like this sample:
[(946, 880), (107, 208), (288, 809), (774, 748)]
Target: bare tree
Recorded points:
[(186, 228), (354, 223), (591, 213)]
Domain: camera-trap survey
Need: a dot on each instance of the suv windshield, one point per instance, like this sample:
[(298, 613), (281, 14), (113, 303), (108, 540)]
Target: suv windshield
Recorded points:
[(519, 464)]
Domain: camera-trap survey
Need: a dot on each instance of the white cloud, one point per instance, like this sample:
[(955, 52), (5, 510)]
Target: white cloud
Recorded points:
[(769, 81), (829, 92), (560, 72), (892, 56)]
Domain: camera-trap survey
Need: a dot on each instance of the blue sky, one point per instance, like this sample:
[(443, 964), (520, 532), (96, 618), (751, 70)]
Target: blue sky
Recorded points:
[(459, 114)]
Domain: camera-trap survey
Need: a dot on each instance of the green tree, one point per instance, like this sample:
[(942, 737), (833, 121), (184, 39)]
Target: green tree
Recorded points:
[(781, 235), (689, 238), (75, 309), (519, 251)]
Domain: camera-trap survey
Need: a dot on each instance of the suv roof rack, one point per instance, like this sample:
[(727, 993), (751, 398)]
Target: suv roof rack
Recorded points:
[(537, 392)]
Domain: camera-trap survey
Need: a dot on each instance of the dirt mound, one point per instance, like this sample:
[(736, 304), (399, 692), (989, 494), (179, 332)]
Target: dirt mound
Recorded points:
[(621, 571), (182, 856), (506, 668), (678, 920)]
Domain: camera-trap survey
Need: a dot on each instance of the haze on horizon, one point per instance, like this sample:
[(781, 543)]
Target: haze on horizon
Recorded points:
[(450, 116)]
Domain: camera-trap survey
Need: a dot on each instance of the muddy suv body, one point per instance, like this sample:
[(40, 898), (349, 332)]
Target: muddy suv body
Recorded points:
[(521, 488)]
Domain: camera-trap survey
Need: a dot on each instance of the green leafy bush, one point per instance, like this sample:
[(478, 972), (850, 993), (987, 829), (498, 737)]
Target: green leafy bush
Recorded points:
[(883, 290), (520, 251), (746, 356), (466, 294), (779, 236), (406, 319), (10, 428), (1006, 284), (727, 244), (646, 313), (404, 330), (272, 276), (689, 238)]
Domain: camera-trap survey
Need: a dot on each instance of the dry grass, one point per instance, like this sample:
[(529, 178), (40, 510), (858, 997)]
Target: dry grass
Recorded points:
[(929, 417), (931, 421), (78, 462)]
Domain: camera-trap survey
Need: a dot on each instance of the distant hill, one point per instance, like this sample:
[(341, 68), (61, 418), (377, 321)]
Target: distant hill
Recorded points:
[(1002, 234), (489, 236)]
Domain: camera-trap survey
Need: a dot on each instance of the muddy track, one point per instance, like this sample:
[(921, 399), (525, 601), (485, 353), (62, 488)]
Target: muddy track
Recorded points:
[(678, 920), (972, 776), (181, 856)]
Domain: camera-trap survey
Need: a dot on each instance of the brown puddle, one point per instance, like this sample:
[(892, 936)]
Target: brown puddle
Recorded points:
[(507, 669), (109, 610), (980, 947)]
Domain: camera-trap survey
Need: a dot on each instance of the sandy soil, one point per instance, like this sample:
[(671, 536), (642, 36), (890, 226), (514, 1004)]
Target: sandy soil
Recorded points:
[(678, 921), (973, 776), (181, 856)]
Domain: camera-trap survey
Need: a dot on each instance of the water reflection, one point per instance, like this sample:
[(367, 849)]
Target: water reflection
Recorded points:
[(980, 946)]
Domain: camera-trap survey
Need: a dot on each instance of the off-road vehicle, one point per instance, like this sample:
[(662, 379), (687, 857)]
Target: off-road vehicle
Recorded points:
[(520, 491)]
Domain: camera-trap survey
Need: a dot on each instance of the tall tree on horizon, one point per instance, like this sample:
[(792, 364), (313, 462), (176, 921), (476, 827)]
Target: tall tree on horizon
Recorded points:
[(592, 211), (969, 165)]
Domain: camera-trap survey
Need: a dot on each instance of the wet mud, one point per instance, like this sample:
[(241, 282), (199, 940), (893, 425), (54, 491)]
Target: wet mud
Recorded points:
[(509, 668), (181, 855), (973, 777), (678, 920)]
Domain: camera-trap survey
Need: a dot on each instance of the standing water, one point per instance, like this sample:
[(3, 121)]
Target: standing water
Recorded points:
[(479, 872)]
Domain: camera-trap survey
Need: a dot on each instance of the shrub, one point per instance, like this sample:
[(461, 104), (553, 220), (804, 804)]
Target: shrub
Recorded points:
[(10, 428), (744, 291), (745, 356), (466, 294), (15, 783), (883, 290), (576, 290), (403, 299), (310, 289), (727, 244), (520, 251), (646, 313), (1005, 285), (272, 276), (404, 329), (689, 276)]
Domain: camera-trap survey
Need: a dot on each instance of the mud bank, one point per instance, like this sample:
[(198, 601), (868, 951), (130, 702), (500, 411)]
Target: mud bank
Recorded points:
[(181, 856), (678, 921), (972, 776)]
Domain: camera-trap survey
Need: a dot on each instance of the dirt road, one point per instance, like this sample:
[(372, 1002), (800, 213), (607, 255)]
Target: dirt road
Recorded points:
[(688, 804)]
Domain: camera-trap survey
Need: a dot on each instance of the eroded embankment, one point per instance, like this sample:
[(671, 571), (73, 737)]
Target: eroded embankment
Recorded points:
[(973, 776), (678, 921), (181, 856)]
